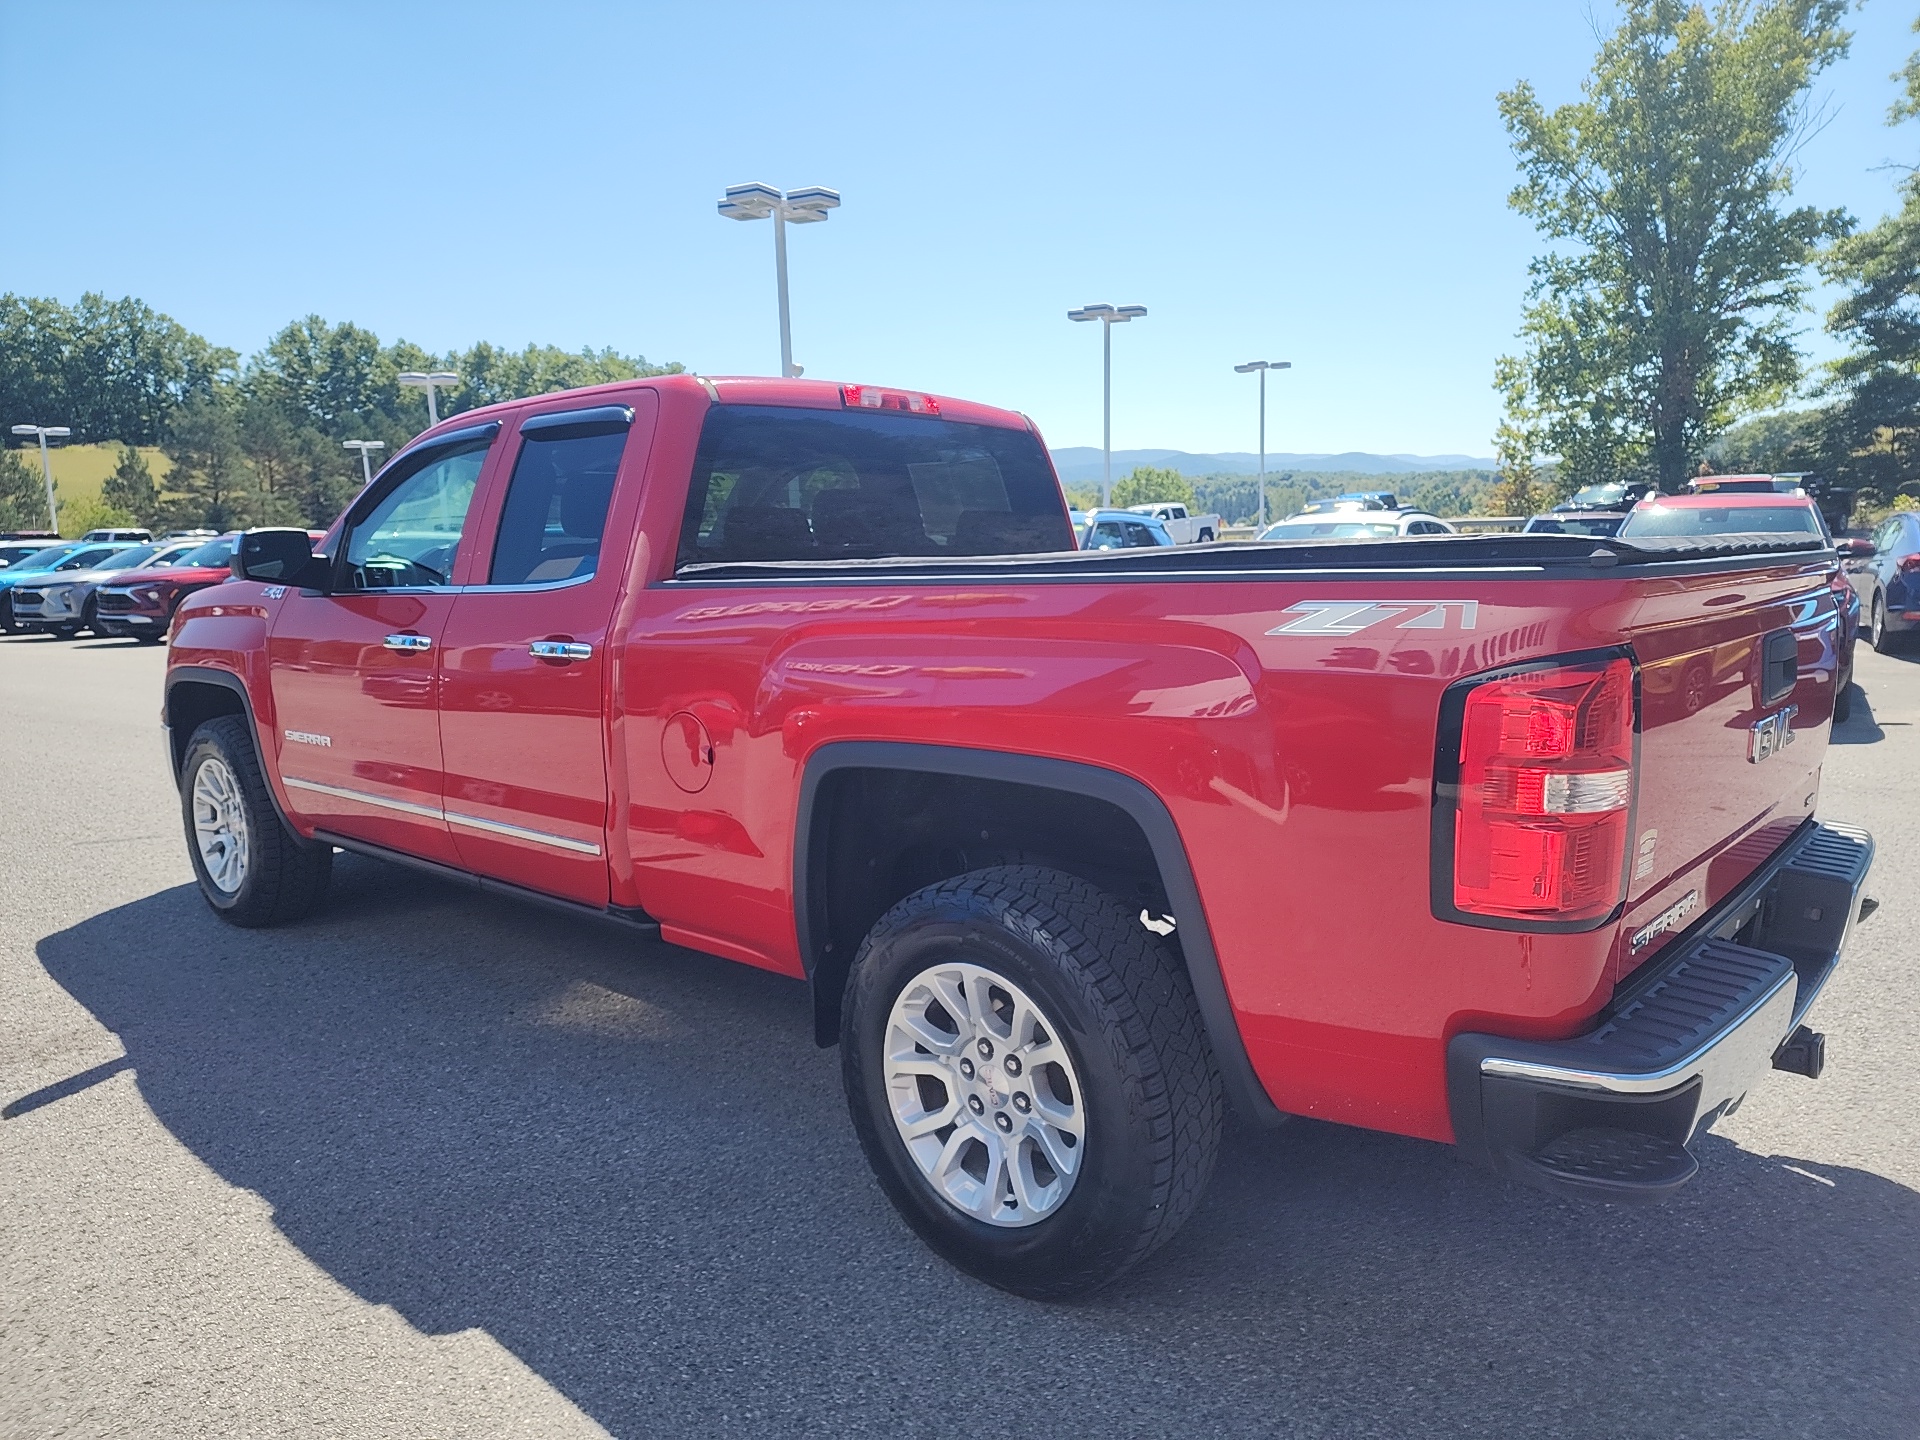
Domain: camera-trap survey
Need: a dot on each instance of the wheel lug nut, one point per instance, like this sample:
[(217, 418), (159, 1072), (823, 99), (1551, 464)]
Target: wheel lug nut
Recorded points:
[(1013, 1064), (986, 1048), (974, 1104), (1003, 1120), (1022, 1103), (966, 1067)]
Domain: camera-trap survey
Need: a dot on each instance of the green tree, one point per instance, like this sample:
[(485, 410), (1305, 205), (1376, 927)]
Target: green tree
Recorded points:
[(23, 493), (1518, 490), (212, 482), (130, 488), (1146, 484), (1671, 310), (1873, 432)]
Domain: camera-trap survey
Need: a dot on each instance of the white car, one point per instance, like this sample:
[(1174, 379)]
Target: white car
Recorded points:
[(1357, 524), (1184, 528), (62, 604)]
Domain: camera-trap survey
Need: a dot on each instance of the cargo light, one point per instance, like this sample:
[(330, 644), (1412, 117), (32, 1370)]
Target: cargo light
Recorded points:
[(1542, 791), (872, 397)]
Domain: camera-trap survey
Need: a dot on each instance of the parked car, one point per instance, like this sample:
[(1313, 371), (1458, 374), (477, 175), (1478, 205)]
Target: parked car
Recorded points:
[(1123, 530), (62, 558), (1184, 528), (1758, 510), (1356, 524), (132, 535), (1885, 573), (12, 552), (64, 603), (1023, 820), (140, 603), (1613, 497), (1598, 523)]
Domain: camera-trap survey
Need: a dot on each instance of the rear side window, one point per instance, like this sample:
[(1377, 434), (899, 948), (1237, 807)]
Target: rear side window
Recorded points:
[(556, 510), (772, 483)]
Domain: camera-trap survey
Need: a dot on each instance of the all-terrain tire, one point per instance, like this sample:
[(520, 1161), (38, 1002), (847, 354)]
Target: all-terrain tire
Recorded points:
[(283, 877), (1120, 1000)]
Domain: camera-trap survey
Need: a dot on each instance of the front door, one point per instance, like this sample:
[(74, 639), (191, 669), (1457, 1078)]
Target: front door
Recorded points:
[(354, 672), (524, 664)]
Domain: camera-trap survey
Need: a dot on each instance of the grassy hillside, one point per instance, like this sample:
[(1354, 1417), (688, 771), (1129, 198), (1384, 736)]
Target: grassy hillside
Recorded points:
[(80, 470)]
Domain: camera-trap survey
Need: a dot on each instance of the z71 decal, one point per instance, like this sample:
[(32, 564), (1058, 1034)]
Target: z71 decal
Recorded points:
[(1350, 617)]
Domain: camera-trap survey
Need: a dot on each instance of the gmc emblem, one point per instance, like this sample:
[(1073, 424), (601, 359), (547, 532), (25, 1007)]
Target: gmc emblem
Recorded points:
[(1770, 734)]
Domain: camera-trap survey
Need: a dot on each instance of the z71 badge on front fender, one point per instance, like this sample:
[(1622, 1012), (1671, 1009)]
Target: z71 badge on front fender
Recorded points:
[(1350, 617)]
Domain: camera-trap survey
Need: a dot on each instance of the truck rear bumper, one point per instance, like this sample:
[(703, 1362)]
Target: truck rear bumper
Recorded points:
[(1611, 1113)]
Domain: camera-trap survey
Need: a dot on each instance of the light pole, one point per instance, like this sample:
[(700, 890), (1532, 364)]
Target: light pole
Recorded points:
[(1262, 366), (58, 432), (365, 447), (801, 207), (429, 382), (1109, 316)]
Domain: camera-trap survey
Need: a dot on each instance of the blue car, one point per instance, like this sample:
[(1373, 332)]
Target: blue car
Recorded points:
[(67, 555), (1886, 575)]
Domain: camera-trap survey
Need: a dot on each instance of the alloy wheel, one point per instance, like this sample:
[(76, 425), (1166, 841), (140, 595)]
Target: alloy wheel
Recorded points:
[(984, 1095), (220, 824)]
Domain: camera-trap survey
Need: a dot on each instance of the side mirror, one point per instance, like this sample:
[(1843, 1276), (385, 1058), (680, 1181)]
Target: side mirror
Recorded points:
[(1856, 549), (285, 556)]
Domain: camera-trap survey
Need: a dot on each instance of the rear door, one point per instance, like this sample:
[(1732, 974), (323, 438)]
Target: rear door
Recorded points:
[(523, 698), (354, 672)]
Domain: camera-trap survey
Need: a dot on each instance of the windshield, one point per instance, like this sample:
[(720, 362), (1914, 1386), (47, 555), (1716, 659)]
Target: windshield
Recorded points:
[(215, 554), (1328, 530), (1720, 520), (130, 559), (41, 559), (1599, 497), (1573, 525)]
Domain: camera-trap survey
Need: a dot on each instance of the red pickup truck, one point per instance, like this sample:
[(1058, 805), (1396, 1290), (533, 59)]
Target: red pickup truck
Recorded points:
[(1075, 849)]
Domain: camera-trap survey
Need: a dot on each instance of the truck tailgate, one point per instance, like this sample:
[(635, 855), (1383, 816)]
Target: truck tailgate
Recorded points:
[(1736, 673)]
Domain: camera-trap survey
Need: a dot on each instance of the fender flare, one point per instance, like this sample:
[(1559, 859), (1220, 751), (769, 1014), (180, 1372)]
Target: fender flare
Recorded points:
[(1130, 796), (226, 680)]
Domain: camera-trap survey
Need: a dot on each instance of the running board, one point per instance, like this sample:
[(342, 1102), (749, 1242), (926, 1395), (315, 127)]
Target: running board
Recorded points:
[(630, 918)]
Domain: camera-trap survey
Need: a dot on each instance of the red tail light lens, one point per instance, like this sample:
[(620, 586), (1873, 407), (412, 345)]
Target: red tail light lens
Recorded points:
[(872, 397), (1909, 563), (1545, 794)]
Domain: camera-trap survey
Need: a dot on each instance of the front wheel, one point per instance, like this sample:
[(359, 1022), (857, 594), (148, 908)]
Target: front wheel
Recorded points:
[(1030, 1079), (252, 869)]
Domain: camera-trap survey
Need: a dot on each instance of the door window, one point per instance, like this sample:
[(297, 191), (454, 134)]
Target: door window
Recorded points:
[(411, 535), (556, 509)]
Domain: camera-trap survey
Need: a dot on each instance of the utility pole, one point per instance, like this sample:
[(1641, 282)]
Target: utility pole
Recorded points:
[(58, 432)]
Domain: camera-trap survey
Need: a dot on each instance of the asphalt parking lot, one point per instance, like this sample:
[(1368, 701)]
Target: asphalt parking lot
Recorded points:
[(433, 1164)]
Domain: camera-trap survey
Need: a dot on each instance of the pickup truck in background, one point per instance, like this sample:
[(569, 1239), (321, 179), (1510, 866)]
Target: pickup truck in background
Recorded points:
[(1074, 849), (1184, 528)]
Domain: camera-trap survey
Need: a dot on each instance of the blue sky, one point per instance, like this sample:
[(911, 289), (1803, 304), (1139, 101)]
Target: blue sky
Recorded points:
[(1324, 184)]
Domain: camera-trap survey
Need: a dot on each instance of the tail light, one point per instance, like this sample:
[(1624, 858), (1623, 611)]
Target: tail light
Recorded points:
[(1534, 796), (872, 397), (1909, 564)]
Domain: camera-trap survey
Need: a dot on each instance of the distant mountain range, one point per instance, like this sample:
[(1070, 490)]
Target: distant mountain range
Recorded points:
[(1078, 464)]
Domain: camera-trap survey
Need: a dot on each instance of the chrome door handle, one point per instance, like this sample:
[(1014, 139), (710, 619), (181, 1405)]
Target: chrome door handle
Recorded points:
[(560, 650), (409, 642)]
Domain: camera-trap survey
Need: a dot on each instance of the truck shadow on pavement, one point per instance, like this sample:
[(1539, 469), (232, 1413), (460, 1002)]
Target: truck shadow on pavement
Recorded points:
[(629, 1164)]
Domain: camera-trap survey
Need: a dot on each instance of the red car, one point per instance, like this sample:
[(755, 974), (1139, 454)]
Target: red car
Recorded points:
[(1073, 848), (140, 603)]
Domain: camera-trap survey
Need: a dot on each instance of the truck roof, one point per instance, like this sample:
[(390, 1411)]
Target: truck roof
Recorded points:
[(745, 390)]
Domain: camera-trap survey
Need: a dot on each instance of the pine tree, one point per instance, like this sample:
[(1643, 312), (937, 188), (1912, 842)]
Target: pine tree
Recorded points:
[(23, 495), (130, 488)]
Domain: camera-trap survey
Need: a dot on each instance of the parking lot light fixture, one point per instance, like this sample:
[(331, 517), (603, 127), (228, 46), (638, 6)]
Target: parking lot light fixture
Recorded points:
[(799, 207), (1109, 316), (429, 381), (57, 432), (365, 447), (1262, 366)]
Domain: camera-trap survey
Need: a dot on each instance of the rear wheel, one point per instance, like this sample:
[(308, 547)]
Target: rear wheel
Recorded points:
[(1205, 536), (1030, 1079), (1884, 640), (252, 869)]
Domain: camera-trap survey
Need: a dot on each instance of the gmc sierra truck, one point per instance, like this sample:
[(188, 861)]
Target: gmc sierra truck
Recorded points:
[(1074, 849)]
